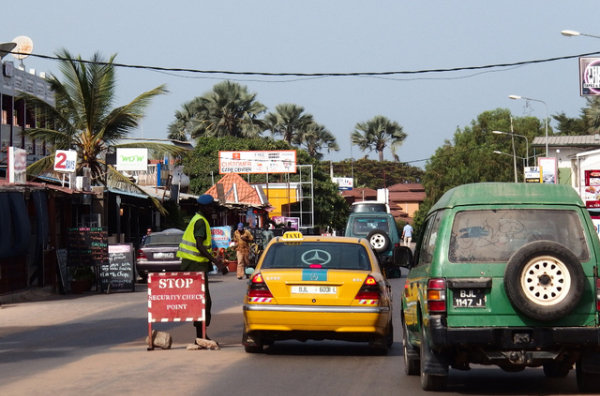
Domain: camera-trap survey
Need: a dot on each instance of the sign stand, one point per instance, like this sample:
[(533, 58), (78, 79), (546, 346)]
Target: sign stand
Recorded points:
[(175, 297)]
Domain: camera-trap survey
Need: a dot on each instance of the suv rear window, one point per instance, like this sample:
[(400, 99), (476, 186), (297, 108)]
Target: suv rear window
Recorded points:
[(368, 207), (363, 225), (494, 235), (317, 255)]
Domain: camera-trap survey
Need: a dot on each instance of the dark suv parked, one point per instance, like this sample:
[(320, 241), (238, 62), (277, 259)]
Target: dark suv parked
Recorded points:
[(505, 274)]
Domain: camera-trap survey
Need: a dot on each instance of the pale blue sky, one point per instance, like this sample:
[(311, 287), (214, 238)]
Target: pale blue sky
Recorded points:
[(329, 36)]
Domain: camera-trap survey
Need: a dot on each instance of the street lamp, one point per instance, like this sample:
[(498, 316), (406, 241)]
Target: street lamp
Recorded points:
[(517, 97), (514, 161), (516, 134), (572, 33)]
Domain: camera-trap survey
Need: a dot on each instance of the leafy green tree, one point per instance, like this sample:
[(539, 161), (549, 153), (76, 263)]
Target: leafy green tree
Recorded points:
[(314, 138), (228, 110), (377, 134), (84, 120), (289, 121), (470, 157), (375, 174)]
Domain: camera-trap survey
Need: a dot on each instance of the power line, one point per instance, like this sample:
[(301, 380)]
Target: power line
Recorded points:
[(325, 74)]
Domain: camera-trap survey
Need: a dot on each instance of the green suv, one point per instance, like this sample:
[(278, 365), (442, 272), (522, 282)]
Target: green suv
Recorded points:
[(379, 228), (504, 274)]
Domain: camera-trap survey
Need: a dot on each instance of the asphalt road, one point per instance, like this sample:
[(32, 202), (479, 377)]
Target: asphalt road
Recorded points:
[(95, 344)]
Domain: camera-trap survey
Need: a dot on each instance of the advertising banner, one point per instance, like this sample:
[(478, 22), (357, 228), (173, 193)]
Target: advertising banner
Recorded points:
[(130, 159), (548, 170), (283, 161), (344, 183), (65, 161), (17, 165), (591, 195), (532, 174), (589, 76), (221, 237), (288, 222)]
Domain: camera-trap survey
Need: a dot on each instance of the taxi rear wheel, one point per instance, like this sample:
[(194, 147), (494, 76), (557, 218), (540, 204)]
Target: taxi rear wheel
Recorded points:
[(252, 342)]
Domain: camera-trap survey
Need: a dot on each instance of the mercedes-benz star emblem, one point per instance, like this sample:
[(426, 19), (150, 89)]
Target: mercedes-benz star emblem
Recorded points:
[(316, 256)]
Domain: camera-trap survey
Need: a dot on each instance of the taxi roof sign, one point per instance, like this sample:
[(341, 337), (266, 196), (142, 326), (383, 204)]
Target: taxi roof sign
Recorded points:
[(293, 236)]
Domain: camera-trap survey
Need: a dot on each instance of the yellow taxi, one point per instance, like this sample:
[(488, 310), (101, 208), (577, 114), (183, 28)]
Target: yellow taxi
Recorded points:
[(317, 287)]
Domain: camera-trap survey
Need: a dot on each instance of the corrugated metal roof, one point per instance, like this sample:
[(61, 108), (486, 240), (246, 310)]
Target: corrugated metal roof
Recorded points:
[(585, 141)]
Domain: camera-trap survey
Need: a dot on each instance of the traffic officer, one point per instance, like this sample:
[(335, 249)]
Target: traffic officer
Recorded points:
[(195, 252)]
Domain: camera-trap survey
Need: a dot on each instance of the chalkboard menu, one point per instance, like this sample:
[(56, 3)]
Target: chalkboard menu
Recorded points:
[(118, 274), (87, 246)]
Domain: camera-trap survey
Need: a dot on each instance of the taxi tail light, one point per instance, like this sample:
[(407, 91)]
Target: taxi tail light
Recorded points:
[(258, 287), (598, 294), (370, 290), (140, 254), (436, 295)]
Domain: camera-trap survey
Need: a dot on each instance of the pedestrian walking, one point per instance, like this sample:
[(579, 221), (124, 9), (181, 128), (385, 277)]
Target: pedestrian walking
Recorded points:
[(195, 252), (242, 238), (407, 234)]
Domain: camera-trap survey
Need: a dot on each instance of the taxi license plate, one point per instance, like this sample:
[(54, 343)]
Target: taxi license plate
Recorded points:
[(314, 289), (468, 298), (164, 255)]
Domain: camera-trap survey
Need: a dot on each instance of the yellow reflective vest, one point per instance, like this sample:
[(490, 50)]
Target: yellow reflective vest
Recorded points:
[(187, 247)]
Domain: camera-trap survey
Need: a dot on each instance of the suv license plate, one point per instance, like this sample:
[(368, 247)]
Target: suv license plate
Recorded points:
[(468, 298)]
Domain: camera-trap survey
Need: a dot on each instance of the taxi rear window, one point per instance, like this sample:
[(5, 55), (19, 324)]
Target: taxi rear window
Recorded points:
[(328, 255)]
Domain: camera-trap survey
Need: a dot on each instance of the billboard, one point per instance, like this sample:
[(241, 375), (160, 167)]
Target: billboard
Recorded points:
[(344, 183), (283, 161), (589, 76), (548, 170), (130, 159), (17, 165)]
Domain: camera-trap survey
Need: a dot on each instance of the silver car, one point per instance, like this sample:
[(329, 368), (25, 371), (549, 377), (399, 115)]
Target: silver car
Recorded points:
[(158, 252)]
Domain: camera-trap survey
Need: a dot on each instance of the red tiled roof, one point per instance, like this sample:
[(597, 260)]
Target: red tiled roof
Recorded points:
[(406, 187), (407, 196), (246, 194), (368, 193)]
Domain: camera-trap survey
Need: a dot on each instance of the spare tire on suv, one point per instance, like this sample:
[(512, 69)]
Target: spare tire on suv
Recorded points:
[(544, 280)]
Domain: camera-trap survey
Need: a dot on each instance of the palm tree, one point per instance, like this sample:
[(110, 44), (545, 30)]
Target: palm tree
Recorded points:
[(314, 138), (288, 121), (228, 110), (376, 134), (186, 121), (83, 118)]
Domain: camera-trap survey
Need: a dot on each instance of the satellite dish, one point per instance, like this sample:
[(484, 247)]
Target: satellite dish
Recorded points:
[(5, 48), (24, 47)]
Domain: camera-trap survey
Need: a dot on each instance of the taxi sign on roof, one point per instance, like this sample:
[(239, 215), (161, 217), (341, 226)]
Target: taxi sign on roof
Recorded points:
[(293, 236)]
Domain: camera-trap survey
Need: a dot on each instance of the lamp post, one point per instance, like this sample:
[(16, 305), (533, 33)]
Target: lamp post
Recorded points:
[(516, 134), (572, 33), (517, 97), (514, 161)]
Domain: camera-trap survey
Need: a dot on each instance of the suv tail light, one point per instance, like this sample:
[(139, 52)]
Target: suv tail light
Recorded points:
[(370, 290), (436, 295), (258, 289), (141, 255)]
